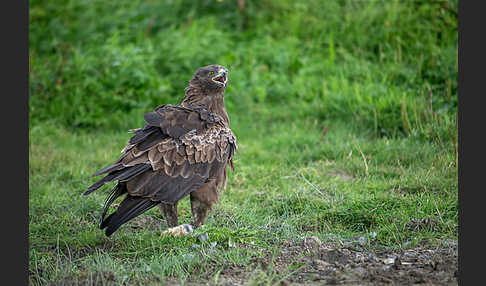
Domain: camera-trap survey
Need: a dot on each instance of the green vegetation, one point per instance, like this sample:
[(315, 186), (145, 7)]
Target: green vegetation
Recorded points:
[(345, 114)]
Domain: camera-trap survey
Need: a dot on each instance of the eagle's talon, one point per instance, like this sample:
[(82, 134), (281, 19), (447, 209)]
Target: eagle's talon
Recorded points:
[(180, 230)]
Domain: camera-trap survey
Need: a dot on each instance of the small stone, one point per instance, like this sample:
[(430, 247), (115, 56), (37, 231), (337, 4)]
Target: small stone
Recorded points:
[(188, 256), (312, 242), (214, 243), (347, 243), (321, 264), (332, 281), (195, 246), (362, 240), (389, 260), (361, 271), (203, 237), (409, 255)]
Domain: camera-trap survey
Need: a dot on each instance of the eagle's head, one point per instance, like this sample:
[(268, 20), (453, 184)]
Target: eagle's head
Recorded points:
[(213, 77)]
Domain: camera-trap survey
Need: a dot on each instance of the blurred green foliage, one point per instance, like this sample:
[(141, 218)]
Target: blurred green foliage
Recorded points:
[(390, 66)]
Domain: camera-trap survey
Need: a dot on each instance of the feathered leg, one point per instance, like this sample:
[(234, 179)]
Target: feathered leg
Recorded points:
[(170, 213), (202, 201)]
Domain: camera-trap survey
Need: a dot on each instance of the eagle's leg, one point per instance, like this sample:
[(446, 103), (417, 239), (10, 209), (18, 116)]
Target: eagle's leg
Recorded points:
[(202, 200), (170, 213)]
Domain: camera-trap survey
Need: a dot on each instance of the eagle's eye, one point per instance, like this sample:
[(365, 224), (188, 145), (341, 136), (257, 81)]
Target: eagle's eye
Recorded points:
[(211, 73)]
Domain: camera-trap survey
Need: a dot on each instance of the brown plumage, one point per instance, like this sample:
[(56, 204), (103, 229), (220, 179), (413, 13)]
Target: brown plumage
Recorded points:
[(183, 149)]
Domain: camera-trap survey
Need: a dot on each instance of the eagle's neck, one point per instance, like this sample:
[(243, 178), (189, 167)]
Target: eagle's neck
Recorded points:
[(211, 100)]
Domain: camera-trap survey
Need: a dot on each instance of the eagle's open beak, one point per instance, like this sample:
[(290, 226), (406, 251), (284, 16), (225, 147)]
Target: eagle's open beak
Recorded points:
[(221, 78)]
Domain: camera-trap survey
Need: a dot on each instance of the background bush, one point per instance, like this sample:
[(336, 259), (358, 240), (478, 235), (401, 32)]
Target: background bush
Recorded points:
[(390, 66)]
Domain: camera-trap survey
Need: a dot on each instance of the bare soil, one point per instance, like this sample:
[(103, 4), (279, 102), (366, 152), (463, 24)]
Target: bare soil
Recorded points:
[(314, 263)]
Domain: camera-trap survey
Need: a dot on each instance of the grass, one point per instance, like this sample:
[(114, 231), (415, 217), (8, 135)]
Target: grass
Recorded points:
[(345, 114), (295, 183)]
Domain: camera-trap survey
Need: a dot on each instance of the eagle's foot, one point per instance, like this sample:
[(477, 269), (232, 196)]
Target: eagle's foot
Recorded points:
[(180, 230)]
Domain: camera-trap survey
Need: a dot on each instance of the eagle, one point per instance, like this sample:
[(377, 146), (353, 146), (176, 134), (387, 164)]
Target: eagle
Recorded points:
[(181, 150)]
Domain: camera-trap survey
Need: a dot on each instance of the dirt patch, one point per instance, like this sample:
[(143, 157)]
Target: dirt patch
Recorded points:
[(311, 262), (431, 223), (146, 222), (347, 266), (308, 261)]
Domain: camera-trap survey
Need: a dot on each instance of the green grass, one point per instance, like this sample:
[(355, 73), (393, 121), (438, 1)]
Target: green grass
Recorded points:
[(345, 114), (287, 184)]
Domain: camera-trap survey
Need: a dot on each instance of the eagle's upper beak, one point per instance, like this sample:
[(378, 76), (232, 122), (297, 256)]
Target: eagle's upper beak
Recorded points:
[(221, 78)]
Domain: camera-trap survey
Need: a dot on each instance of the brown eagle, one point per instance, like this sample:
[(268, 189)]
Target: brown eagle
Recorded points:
[(182, 150)]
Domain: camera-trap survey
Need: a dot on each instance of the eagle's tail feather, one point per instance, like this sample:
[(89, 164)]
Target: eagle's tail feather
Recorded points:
[(114, 167), (119, 189), (121, 175), (129, 208)]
